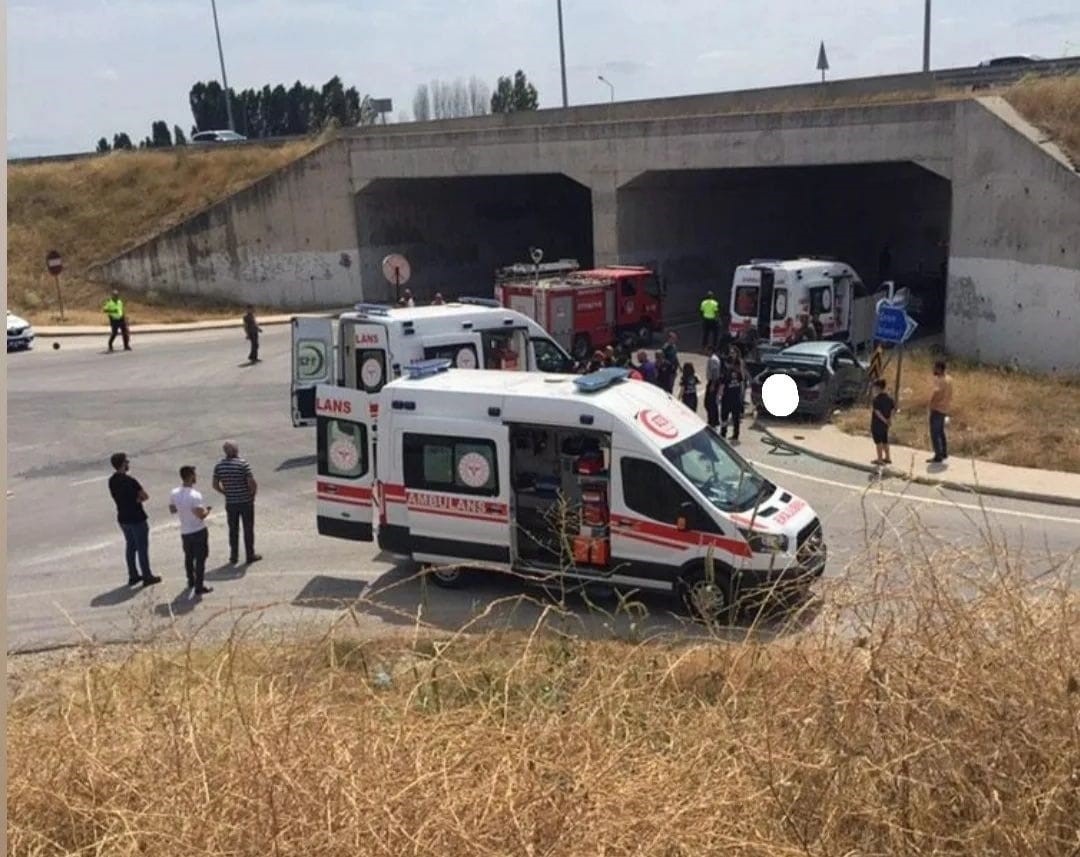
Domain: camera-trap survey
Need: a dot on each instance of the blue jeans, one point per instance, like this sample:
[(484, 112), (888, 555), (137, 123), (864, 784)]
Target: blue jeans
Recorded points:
[(137, 539)]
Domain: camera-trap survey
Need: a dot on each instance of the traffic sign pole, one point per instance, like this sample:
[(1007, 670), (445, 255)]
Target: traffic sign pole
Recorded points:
[(54, 264), (899, 369)]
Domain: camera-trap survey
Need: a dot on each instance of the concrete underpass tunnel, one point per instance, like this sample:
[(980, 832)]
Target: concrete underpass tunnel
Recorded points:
[(456, 231), (888, 220)]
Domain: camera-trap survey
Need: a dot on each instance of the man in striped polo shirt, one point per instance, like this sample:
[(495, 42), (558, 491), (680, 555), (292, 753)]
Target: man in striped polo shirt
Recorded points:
[(232, 477)]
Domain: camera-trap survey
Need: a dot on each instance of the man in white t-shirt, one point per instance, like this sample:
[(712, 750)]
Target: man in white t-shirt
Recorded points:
[(186, 502)]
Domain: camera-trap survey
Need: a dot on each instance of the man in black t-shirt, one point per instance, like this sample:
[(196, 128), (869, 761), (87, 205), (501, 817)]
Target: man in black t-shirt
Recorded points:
[(881, 416), (129, 496)]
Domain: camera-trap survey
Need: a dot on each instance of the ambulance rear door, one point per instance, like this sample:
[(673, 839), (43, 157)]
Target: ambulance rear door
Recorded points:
[(313, 363), (345, 463), (462, 349)]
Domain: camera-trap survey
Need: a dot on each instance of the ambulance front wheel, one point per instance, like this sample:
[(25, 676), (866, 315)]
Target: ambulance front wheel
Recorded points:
[(446, 576), (707, 599)]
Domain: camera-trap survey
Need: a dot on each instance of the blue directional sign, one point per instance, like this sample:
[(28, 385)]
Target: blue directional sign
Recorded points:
[(893, 324)]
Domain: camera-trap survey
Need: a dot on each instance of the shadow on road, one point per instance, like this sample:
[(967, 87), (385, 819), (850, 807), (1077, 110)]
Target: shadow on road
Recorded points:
[(115, 596), (329, 593), (184, 602), (295, 463), (226, 572), (492, 600)]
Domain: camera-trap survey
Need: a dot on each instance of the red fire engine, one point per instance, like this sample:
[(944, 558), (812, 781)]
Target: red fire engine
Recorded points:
[(585, 310)]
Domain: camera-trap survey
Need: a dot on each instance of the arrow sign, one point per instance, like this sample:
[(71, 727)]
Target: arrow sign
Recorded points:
[(893, 324)]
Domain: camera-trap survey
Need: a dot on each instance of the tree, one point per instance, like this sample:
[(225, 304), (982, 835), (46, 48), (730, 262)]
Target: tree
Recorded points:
[(178, 136), (511, 97), (121, 141), (421, 104), (159, 135), (479, 97), (103, 145), (208, 106)]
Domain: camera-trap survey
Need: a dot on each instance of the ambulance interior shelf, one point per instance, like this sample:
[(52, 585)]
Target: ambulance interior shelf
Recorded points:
[(560, 480)]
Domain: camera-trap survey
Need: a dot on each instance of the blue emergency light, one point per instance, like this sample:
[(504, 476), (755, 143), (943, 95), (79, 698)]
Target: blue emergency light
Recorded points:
[(427, 368), (372, 309), (480, 302), (601, 379)]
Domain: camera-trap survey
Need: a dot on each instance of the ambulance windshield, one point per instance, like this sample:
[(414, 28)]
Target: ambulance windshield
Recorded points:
[(726, 480)]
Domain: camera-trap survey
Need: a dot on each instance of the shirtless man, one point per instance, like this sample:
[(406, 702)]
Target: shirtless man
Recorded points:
[(940, 405)]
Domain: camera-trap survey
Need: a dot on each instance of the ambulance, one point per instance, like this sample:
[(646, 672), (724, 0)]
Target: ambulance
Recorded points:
[(368, 347), (591, 478), (771, 295)]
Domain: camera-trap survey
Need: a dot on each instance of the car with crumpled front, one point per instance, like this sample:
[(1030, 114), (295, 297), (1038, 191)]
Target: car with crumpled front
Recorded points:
[(826, 374), (20, 333)]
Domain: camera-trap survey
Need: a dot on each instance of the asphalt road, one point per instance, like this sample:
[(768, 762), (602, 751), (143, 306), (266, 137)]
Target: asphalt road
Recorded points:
[(177, 397)]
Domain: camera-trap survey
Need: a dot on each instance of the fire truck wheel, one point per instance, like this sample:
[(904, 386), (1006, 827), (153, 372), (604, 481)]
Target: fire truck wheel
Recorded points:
[(708, 600), (447, 576), (644, 335), (581, 348)]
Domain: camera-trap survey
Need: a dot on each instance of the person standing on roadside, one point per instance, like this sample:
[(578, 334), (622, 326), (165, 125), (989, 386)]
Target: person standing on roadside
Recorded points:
[(880, 419), (710, 311), (667, 371), (129, 497), (940, 405), (688, 385), (733, 385), (646, 367), (186, 502), (713, 369), (114, 309), (252, 331), (233, 479)]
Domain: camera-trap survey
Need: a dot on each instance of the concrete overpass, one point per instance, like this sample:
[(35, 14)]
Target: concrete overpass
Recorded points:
[(961, 197)]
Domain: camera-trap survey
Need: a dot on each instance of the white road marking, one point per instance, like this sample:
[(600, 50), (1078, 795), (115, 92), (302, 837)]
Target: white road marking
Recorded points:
[(94, 479), (916, 499), (24, 447), (125, 430)]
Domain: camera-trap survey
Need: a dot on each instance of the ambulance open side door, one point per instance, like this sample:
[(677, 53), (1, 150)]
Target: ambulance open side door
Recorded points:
[(345, 471), (313, 363)]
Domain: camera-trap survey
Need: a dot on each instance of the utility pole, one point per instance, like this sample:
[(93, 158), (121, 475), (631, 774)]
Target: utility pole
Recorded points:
[(926, 39), (221, 56), (562, 56), (611, 86)]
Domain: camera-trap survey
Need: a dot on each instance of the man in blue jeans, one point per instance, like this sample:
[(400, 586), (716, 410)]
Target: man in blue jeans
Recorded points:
[(940, 405), (129, 497)]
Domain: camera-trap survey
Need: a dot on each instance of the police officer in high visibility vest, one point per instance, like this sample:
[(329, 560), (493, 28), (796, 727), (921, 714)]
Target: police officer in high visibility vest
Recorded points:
[(114, 309), (710, 326)]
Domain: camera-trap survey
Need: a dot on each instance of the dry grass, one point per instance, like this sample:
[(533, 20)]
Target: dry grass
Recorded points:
[(1053, 105), (93, 209), (937, 714), (998, 414)]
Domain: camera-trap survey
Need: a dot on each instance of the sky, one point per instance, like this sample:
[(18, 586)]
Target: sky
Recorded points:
[(82, 69)]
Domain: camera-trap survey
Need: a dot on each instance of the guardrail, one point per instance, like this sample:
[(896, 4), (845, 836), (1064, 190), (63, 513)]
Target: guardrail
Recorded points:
[(195, 148), (975, 77)]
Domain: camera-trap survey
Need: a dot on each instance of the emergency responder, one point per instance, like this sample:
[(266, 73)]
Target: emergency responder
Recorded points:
[(710, 326), (114, 309), (252, 331)]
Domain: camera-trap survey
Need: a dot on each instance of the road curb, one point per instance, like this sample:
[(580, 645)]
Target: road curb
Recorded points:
[(180, 327), (966, 487)]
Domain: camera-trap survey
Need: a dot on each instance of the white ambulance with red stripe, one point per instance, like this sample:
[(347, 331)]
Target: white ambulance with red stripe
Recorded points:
[(772, 295), (595, 478), (368, 347)]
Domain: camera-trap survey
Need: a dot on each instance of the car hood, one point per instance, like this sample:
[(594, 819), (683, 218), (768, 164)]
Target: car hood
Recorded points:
[(16, 321)]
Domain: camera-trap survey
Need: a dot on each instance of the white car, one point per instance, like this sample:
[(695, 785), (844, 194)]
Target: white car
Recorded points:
[(217, 137), (20, 334)]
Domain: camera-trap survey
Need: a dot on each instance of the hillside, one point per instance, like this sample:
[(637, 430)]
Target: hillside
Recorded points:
[(92, 209)]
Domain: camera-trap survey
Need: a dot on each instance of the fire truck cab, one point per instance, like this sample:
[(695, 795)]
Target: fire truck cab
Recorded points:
[(585, 310), (367, 348), (590, 478), (770, 295)]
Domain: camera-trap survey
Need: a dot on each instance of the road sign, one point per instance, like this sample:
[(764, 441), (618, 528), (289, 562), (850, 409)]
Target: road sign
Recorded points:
[(54, 262), (395, 268), (893, 324), (877, 364)]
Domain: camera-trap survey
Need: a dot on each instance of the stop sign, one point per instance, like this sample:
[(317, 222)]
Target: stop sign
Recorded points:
[(54, 262)]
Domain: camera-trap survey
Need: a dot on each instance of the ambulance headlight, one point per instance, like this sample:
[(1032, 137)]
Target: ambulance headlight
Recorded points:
[(765, 542)]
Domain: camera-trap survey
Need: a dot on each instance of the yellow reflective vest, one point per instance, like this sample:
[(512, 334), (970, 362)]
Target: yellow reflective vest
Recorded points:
[(710, 308), (113, 308)]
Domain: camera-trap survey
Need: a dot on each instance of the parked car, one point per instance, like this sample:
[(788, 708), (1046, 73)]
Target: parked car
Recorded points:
[(826, 373), (20, 335), (1019, 59), (217, 137)]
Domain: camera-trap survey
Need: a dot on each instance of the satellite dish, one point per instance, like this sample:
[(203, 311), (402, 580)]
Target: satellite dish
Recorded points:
[(395, 268), (536, 254)]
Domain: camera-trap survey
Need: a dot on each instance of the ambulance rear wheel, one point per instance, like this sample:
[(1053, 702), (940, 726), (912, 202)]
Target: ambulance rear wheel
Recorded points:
[(705, 599), (581, 348), (446, 576)]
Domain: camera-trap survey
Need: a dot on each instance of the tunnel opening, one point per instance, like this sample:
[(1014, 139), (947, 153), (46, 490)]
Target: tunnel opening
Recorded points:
[(890, 221), (456, 232)]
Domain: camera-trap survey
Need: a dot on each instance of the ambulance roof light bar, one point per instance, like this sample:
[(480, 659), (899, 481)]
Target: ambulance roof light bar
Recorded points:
[(427, 368), (480, 302), (601, 379), (372, 309)]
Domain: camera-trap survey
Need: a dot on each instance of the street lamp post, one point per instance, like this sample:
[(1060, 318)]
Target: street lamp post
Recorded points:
[(926, 38), (611, 86), (221, 56), (562, 56)]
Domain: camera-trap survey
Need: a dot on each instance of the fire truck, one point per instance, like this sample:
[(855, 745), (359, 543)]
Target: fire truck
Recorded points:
[(585, 310)]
